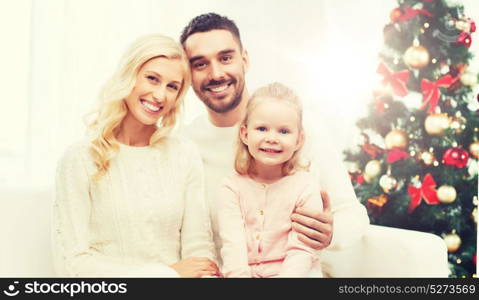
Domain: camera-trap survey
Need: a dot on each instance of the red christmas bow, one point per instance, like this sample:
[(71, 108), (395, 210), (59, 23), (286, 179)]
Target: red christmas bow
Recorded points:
[(397, 80), (473, 25), (431, 93), (372, 150), (410, 13), (396, 154), (426, 191), (464, 38)]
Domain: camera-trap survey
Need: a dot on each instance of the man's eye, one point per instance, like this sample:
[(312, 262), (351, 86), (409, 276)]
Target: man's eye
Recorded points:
[(226, 58), (284, 131), (261, 128), (199, 65)]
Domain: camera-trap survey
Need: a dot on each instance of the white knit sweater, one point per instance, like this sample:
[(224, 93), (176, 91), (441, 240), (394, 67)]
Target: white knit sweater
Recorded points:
[(146, 213)]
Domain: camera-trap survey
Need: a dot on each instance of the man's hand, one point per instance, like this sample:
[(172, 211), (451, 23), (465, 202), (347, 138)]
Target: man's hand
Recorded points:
[(314, 228)]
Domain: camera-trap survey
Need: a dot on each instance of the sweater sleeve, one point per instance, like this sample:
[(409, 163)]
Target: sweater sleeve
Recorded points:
[(299, 256), (196, 233), (350, 219), (234, 252), (72, 253)]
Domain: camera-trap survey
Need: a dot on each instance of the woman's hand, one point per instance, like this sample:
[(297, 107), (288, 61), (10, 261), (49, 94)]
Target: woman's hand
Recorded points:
[(314, 228), (196, 267)]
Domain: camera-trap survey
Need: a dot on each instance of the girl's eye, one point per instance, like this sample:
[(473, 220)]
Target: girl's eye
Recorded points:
[(173, 86), (261, 128), (284, 131), (152, 78)]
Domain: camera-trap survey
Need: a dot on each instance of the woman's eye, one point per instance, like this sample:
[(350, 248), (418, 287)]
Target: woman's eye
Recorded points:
[(152, 78), (284, 131)]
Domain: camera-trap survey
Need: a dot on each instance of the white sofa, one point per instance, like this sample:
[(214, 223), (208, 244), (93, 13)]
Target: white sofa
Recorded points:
[(382, 252)]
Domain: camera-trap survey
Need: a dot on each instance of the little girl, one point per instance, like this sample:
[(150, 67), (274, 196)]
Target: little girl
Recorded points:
[(256, 202)]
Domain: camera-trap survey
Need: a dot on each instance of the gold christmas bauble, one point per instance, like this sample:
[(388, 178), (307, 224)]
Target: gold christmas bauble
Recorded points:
[(469, 78), (435, 124), (446, 194), (416, 57), (388, 183), (463, 25), (372, 170), (453, 242), (474, 149), (396, 138)]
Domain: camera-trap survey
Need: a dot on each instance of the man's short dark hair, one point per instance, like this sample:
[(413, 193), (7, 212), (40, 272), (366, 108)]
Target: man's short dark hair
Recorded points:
[(208, 22)]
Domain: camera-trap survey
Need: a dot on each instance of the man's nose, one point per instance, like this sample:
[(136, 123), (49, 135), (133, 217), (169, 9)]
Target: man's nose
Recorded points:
[(217, 72)]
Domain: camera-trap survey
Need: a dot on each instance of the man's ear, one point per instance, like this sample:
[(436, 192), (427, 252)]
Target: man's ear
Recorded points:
[(244, 134), (245, 57)]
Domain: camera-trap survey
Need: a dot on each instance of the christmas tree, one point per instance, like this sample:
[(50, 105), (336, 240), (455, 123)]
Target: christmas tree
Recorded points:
[(416, 164)]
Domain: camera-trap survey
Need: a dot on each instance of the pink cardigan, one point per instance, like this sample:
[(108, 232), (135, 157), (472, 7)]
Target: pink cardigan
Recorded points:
[(255, 226)]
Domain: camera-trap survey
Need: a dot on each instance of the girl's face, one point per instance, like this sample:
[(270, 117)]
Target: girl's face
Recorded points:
[(158, 83), (272, 134)]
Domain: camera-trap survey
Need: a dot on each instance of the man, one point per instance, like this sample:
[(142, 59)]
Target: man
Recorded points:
[(219, 63)]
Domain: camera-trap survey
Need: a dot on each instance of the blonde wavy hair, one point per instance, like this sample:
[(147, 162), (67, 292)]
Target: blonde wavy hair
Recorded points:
[(112, 109), (244, 162)]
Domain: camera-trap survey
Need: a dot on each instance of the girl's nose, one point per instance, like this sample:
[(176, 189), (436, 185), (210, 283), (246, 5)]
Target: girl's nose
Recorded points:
[(271, 138)]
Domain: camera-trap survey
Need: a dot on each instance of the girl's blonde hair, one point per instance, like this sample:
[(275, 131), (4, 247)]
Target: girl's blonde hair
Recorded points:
[(244, 162), (112, 109)]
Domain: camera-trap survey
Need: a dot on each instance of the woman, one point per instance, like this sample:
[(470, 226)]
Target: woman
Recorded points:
[(129, 199)]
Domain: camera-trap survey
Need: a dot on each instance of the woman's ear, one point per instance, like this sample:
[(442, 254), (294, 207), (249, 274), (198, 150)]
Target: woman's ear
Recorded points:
[(244, 134)]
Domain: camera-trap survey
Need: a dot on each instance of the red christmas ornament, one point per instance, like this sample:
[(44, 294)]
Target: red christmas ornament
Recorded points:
[(455, 157), (465, 39), (356, 177), (426, 191)]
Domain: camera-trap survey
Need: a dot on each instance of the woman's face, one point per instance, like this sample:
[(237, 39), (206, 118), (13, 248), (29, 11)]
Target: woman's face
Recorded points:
[(158, 83)]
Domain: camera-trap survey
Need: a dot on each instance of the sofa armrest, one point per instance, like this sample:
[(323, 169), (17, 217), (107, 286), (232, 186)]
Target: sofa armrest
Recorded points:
[(389, 252)]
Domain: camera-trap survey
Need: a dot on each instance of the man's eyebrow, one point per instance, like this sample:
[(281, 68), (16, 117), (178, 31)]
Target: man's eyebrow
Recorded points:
[(195, 58), (222, 52), (227, 51)]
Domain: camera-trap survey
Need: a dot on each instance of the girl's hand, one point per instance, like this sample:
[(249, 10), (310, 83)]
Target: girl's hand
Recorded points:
[(314, 228), (196, 267)]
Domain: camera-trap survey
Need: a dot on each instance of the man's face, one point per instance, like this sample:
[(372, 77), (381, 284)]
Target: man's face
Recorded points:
[(218, 67)]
